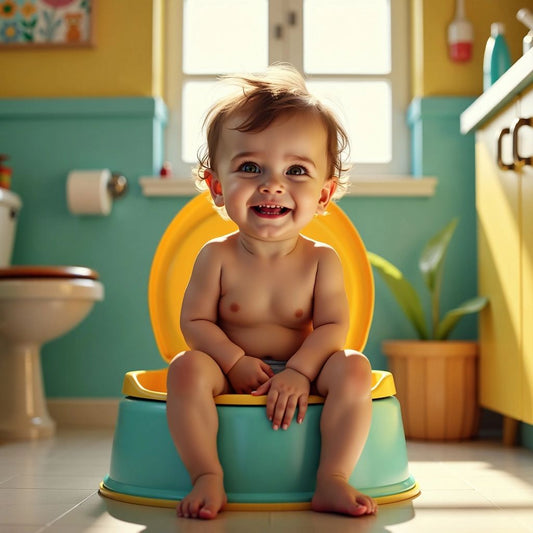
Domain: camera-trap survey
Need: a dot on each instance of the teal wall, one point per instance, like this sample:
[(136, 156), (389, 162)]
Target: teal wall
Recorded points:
[(398, 228), (47, 138)]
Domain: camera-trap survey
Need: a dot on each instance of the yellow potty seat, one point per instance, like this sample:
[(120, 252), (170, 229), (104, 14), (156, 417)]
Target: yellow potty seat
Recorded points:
[(145, 467), (198, 222)]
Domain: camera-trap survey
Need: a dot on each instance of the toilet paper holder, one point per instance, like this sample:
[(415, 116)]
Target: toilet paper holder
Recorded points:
[(91, 192), (117, 185)]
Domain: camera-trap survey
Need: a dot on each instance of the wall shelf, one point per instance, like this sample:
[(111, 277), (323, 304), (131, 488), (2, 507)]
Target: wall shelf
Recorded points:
[(369, 186)]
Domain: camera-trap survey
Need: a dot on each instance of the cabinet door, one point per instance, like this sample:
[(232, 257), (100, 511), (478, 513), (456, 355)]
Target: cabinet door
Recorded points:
[(497, 204), (525, 149)]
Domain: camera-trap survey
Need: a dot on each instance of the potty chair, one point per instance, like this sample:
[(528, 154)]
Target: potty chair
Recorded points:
[(263, 469)]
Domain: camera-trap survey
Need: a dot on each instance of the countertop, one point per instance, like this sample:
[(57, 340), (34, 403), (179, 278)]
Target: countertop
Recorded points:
[(512, 83)]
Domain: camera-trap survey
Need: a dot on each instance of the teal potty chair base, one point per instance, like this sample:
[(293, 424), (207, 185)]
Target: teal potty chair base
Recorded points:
[(263, 469)]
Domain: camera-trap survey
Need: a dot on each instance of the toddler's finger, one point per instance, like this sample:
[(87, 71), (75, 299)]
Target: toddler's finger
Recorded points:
[(262, 389), (267, 369), (271, 404), (265, 376), (302, 408), (279, 411), (289, 412)]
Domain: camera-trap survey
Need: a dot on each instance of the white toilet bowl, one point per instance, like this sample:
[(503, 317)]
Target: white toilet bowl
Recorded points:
[(37, 304)]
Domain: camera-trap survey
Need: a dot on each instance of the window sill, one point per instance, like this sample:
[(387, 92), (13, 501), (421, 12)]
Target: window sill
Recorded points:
[(367, 186)]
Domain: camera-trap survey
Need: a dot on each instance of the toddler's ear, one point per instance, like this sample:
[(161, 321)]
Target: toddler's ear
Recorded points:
[(328, 190), (214, 186)]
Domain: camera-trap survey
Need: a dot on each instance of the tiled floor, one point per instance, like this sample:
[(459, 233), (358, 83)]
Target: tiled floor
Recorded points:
[(467, 487)]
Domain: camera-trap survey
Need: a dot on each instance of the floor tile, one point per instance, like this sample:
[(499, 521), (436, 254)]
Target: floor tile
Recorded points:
[(19, 529), (464, 520), (101, 514), (470, 487), (41, 482)]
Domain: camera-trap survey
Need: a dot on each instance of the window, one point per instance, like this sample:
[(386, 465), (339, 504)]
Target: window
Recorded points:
[(353, 53)]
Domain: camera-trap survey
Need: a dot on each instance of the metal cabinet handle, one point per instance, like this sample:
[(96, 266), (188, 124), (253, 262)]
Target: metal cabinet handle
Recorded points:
[(501, 164), (519, 123)]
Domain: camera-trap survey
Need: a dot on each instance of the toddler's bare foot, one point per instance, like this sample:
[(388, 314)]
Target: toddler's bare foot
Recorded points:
[(334, 495), (206, 498)]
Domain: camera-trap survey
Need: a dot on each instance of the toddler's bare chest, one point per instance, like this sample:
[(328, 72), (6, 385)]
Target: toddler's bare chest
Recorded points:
[(280, 296)]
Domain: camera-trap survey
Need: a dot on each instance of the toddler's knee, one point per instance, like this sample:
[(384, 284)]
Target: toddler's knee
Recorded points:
[(185, 371), (358, 372)]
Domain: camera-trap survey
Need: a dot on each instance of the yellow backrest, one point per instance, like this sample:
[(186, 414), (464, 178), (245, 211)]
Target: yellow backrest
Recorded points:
[(198, 222)]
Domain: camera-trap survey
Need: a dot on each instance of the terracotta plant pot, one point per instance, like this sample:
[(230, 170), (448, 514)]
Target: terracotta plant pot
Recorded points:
[(436, 384)]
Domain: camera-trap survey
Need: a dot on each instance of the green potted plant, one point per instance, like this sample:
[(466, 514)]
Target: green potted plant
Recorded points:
[(436, 378)]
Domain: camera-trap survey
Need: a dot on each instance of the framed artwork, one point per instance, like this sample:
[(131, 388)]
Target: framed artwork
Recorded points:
[(46, 23)]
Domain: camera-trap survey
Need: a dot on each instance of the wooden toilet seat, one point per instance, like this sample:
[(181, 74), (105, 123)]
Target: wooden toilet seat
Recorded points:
[(47, 272)]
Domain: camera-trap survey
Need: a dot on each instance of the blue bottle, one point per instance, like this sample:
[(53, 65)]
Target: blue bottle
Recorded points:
[(497, 58)]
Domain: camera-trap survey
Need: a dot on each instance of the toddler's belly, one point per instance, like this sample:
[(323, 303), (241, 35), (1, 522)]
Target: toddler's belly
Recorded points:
[(272, 342)]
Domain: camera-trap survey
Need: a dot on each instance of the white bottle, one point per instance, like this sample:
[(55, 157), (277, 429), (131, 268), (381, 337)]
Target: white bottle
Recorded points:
[(525, 16)]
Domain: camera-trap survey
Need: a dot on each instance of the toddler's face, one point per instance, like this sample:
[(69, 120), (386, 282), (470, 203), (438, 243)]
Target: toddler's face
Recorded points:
[(274, 181)]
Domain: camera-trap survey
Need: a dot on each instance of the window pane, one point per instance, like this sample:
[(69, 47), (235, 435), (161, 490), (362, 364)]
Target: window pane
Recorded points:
[(365, 109), (197, 98), (221, 36), (340, 34)]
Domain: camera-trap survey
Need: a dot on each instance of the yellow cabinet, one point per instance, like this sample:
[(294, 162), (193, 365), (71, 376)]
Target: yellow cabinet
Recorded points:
[(525, 143), (504, 204)]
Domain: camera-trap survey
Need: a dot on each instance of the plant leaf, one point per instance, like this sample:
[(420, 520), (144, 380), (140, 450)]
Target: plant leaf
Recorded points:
[(431, 265), (403, 292), (432, 258), (452, 317)]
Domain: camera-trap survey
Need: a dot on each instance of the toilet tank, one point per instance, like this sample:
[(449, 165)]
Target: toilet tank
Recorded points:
[(10, 205)]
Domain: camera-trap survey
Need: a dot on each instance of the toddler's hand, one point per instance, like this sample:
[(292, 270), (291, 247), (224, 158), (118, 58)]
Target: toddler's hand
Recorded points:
[(249, 373), (286, 391)]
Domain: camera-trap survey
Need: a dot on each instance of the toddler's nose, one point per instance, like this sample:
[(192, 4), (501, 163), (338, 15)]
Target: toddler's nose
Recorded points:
[(272, 185)]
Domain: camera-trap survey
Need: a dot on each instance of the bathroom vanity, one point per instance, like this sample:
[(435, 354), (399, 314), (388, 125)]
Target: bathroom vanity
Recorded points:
[(502, 118)]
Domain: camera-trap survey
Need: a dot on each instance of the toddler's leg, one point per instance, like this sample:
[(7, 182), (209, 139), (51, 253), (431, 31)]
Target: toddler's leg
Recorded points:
[(193, 380), (345, 381)]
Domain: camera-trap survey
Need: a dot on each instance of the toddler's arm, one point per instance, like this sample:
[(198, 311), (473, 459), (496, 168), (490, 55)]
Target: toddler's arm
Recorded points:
[(290, 389), (200, 309), (330, 317)]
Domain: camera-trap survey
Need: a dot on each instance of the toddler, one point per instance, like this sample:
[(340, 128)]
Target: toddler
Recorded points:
[(267, 298)]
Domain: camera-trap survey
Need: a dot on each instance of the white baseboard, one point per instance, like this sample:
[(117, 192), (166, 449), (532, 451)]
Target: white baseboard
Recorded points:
[(84, 412)]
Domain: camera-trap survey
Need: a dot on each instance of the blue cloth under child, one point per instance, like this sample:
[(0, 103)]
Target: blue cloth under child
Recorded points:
[(276, 366)]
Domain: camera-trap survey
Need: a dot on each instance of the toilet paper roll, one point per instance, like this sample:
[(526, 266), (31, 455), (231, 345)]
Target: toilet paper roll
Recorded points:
[(87, 192)]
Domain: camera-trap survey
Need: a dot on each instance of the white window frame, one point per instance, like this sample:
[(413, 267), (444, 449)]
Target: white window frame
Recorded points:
[(399, 77)]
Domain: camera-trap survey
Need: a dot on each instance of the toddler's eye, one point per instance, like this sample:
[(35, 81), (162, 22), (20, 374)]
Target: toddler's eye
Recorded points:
[(297, 170), (250, 167)]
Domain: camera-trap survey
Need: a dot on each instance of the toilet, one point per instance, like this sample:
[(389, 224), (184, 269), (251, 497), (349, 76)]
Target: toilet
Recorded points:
[(37, 304)]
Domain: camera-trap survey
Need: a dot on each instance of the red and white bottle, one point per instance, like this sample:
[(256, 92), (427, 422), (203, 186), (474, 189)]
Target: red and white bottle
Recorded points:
[(460, 36)]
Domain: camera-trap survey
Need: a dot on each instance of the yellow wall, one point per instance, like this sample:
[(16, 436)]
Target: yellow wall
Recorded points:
[(125, 61), (433, 72), (127, 58)]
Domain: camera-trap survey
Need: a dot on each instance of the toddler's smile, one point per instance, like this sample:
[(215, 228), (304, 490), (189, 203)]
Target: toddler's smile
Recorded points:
[(270, 210)]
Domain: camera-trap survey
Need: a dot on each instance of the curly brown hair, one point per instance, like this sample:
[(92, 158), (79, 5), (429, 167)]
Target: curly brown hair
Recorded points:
[(262, 98)]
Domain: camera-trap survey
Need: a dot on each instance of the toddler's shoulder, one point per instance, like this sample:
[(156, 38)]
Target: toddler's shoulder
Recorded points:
[(320, 249), (218, 246)]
